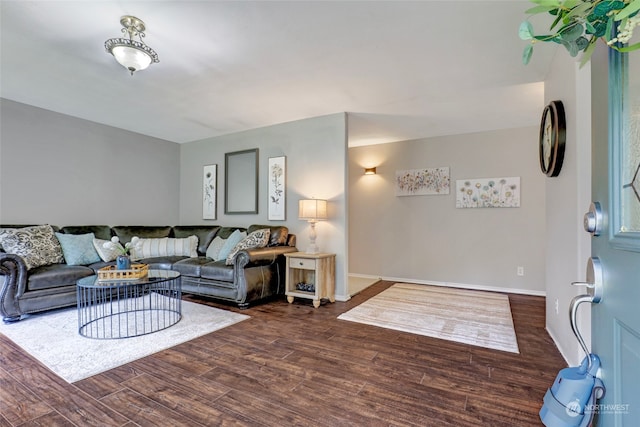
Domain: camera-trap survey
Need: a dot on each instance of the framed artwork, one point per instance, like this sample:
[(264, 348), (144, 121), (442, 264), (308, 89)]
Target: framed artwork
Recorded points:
[(209, 191), (488, 193), (277, 188), (241, 182), (419, 182)]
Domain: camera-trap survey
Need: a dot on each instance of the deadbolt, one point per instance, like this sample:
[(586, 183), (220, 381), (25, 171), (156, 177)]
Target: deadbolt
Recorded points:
[(593, 219)]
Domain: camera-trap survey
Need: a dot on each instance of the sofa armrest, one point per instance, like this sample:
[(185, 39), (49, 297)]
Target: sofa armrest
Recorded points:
[(261, 256), (13, 274)]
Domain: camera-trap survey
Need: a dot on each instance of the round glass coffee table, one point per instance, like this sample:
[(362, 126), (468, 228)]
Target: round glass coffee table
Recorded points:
[(129, 308)]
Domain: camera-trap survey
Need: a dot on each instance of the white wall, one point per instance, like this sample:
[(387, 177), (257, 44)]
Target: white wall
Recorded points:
[(62, 170), (568, 246), (315, 151), (425, 239)]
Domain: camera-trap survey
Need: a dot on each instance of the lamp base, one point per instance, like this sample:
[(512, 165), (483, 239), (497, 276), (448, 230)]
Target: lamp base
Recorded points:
[(312, 249)]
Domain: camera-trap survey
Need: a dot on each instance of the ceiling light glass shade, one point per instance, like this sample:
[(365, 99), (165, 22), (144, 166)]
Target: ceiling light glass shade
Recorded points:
[(131, 54)]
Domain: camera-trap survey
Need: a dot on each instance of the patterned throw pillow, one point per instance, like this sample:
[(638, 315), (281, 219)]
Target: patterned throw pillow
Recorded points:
[(78, 248), (231, 243), (165, 246), (257, 239), (106, 254), (214, 248), (37, 245)]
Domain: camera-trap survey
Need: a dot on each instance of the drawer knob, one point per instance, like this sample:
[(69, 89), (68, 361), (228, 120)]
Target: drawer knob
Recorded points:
[(301, 263)]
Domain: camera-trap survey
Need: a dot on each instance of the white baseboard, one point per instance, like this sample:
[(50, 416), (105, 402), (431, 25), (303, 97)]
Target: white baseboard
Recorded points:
[(468, 286), (558, 346)]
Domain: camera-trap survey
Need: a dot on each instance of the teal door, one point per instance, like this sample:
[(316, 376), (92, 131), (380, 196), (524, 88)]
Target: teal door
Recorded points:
[(616, 187)]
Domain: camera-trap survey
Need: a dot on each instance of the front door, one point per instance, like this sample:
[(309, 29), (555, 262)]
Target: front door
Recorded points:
[(616, 186)]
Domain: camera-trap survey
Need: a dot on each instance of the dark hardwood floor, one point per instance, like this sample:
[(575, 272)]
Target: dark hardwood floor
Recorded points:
[(296, 365)]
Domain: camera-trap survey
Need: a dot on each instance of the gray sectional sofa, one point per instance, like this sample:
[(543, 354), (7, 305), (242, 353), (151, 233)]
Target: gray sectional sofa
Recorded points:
[(255, 275)]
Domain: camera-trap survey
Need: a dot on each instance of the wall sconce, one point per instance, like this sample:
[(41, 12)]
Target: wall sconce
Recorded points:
[(312, 210), (370, 171)]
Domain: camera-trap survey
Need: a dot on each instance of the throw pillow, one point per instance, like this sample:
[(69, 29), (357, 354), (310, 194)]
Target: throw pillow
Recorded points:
[(214, 248), (166, 246), (78, 248), (257, 239), (106, 254), (36, 245), (231, 243)]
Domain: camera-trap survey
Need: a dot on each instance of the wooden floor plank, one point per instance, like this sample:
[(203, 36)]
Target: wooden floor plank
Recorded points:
[(292, 364)]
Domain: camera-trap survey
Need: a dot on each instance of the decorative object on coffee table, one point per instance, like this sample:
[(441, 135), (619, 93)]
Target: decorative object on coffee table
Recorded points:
[(123, 261), (114, 274), (311, 276)]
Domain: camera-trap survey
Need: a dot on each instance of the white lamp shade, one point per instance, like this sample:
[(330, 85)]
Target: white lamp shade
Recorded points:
[(312, 209), (131, 58)]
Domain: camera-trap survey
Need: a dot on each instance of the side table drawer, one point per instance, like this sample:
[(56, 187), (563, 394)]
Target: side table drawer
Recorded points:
[(303, 263)]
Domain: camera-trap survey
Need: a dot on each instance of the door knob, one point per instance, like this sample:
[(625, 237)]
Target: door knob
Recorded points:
[(592, 220)]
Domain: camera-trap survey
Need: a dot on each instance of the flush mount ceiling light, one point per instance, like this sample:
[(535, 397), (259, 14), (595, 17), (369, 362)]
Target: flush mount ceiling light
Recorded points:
[(132, 54)]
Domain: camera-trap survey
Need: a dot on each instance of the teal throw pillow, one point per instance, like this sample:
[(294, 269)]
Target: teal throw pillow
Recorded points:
[(231, 243), (214, 248), (78, 248)]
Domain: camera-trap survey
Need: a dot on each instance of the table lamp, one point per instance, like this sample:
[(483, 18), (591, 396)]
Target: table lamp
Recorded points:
[(312, 210)]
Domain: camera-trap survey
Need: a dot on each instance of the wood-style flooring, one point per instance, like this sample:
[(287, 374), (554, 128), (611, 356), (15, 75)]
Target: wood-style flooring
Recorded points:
[(293, 365)]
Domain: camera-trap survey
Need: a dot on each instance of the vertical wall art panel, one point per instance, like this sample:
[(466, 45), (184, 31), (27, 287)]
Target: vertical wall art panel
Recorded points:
[(277, 183), (417, 182), (209, 191), (488, 193)]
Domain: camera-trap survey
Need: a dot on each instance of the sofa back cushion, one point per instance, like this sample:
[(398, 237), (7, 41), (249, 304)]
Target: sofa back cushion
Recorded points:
[(99, 231), (278, 234), (204, 233), (225, 232), (126, 232)]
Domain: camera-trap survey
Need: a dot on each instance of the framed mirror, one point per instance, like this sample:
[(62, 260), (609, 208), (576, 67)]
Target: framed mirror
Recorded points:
[(241, 182)]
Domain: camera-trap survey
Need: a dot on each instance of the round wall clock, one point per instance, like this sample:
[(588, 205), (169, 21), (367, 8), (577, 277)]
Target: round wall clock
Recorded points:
[(552, 138)]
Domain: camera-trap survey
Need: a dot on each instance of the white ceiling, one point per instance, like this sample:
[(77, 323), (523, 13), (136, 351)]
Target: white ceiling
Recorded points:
[(403, 70)]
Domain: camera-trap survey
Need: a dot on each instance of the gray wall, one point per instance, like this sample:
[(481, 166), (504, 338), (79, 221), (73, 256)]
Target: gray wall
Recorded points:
[(62, 170), (425, 238), (315, 151)]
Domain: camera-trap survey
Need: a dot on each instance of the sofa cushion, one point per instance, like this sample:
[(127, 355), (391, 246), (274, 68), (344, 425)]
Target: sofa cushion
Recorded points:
[(108, 254), (161, 263), (204, 233), (225, 232), (56, 275), (190, 266), (257, 239), (217, 270), (230, 243), (99, 231), (78, 249), (167, 246), (278, 234), (126, 232), (36, 245), (214, 248)]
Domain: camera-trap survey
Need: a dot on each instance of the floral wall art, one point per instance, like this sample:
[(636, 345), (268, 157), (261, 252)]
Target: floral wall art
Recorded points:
[(277, 194), (209, 191), (488, 193), (417, 182)]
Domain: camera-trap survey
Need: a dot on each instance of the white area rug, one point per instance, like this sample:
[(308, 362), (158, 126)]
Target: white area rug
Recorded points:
[(471, 317), (53, 339)]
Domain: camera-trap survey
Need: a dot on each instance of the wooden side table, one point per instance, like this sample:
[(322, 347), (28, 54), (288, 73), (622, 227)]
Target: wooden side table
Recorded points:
[(311, 276)]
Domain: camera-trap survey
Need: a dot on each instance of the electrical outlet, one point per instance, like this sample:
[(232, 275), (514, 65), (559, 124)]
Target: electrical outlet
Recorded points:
[(520, 271), (557, 306)]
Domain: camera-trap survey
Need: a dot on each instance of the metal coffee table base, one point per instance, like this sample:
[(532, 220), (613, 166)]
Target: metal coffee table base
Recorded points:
[(128, 309)]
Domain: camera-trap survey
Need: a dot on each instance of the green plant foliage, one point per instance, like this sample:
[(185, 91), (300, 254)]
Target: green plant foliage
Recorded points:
[(578, 24)]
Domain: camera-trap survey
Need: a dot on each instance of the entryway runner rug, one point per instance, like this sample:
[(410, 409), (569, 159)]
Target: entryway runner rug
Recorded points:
[(53, 339), (472, 317)]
